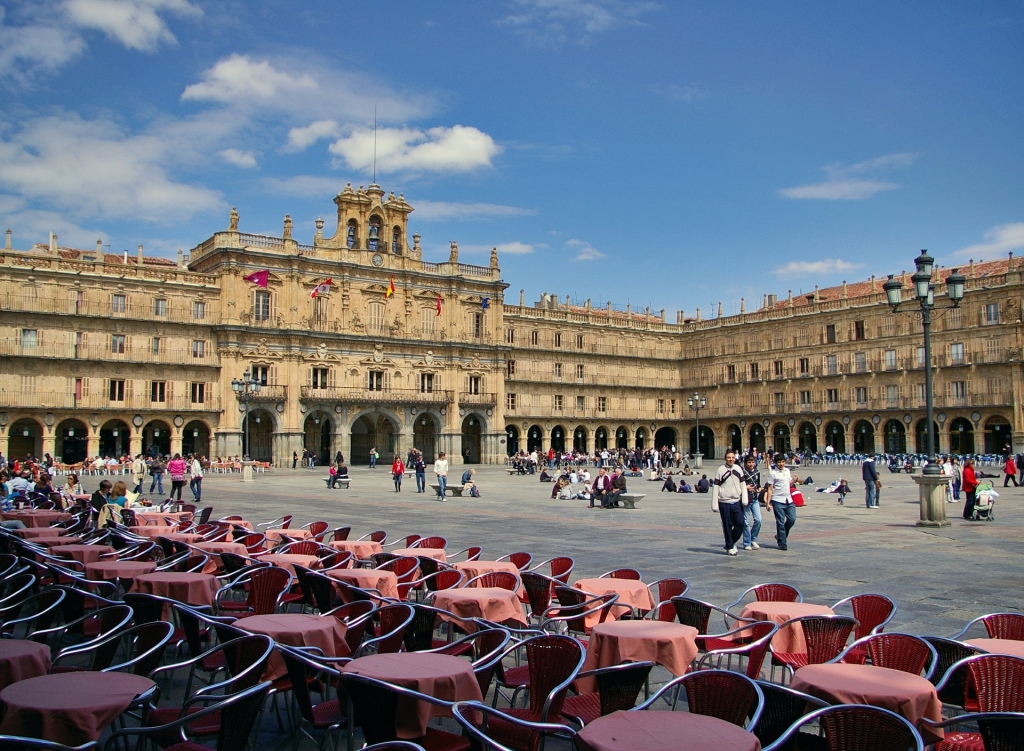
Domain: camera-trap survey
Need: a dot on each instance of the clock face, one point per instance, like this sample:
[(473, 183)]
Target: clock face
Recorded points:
[(378, 259)]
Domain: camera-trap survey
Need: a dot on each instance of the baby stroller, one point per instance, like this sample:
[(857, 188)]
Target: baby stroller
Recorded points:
[(985, 501)]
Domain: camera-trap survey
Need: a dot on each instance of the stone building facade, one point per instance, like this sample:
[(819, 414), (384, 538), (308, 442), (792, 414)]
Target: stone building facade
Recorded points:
[(105, 354)]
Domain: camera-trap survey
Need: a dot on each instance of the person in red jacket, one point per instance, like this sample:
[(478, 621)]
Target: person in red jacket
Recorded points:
[(397, 472), (970, 487), (1010, 472)]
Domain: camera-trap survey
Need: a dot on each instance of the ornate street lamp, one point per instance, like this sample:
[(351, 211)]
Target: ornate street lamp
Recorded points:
[(697, 403), (246, 390)]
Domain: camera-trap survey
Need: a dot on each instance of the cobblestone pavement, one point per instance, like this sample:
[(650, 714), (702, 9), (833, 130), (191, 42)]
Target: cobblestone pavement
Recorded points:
[(940, 578)]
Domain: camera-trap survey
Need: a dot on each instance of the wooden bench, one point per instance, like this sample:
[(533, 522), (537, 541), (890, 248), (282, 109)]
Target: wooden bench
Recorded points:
[(629, 500), (455, 490), (342, 481)]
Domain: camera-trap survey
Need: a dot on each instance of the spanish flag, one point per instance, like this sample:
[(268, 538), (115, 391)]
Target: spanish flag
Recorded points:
[(391, 289)]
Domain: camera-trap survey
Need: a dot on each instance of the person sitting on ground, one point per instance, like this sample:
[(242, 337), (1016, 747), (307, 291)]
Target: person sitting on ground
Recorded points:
[(842, 490), (703, 485), (669, 484), (585, 494), (686, 470), (544, 476), (556, 488), (685, 487)]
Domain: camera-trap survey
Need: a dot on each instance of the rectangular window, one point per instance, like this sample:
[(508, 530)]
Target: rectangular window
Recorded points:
[(780, 400), (160, 307), (672, 406), (862, 395), (198, 310), (478, 325), (956, 353), (602, 404), (375, 380), (376, 318), (558, 402), (474, 384), (832, 362), (579, 372), (755, 400), (117, 344), (558, 339), (510, 368), (558, 370), (992, 348), (29, 338), (860, 362), (116, 390), (832, 396), (510, 336), (994, 386), (959, 389), (579, 403), (805, 397), (510, 402), (261, 374), (955, 318), (920, 357), (890, 359), (892, 394), (805, 365), (858, 330), (427, 383), (534, 338), (198, 393), (118, 304), (158, 391), (261, 306), (579, 341), (889, 326), (921, 395), (754, 370), (777, 368), (730, 373), (992, 313), (661, 407), (830, 334), (158, 345), (198, 348), (319, 377)]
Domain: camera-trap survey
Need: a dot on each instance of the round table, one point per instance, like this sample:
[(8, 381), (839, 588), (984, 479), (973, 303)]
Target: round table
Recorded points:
[(441, 676), (35, 517), (287, 561), (186, 537), (438, 554), (30, 533), (191, 589), (214, 549), (908, 695), (671, 645), (153, 530), (110, 570), (473, 569), (69, 708), (21, 659), (789, 640), (83, 553), (359, 548), (158, 517), (384, 582), (276, 536), (297, 630), (492, 603), (663, 731), (55, 541), (631, 592), (999, 646)]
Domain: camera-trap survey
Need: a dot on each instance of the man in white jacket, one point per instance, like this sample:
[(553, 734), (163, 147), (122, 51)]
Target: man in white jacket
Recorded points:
[(728, 497)]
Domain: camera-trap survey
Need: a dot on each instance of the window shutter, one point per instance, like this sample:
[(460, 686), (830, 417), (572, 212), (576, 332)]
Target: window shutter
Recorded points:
[(85, 387)]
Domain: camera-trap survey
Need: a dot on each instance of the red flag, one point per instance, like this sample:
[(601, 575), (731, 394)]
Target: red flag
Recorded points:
[(391, 289), (324, 288), (438, 303), (259, 278)]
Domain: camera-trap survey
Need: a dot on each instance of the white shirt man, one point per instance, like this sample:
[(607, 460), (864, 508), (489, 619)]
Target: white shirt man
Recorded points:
[(441, 471), (780, 500), (728, 497)]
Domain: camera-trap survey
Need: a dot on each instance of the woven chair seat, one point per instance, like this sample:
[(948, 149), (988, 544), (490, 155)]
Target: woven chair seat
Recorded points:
[(517, 677), (187, 746), (208, 725), (515, 736), (709, 644), (585, 707), (326, 713), (961, 742), (439, 740), (794, 661)]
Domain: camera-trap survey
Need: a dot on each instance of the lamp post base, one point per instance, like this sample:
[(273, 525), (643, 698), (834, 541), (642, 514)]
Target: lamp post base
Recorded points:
[(247, 471), (932, 490), (698, 460)]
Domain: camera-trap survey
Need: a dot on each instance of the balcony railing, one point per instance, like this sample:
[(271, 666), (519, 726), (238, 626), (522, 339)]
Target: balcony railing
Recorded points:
[(361, 395), (143, 309), (481, 398), (51, 399), (269, 393), (106, 353)]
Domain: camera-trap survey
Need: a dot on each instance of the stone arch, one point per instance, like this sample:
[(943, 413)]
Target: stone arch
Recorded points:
[(998, 434), (71, 441), (375, 235), (707, 441), (734, 437), (25, 437), (665, 437), (835, 436), (757, 437), (807, 437), (259, 445), (511, 440), (558, 438), (376, 429), (863, 437), (156, 438), (781, 438), (895, 437), (622, 437), (921, 431), (534, 438), (961, 436), (195, 438), (115, 438), (318, 434), (601, 438), (473, 428), (580, 437), (641, 438), (396, 240), (425, 430)]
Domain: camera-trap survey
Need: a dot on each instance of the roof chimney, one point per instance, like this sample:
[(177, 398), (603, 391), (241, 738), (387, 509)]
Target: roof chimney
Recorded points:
[(139, 256), (698, 314), (7, 242), (719, 308), (743, 305), (181, 263), (99, 249), (53, 244)]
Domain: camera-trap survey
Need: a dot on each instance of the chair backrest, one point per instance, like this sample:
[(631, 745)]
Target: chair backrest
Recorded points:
[(353, 615), (872, 612), (286, 521), (147, 608), (826, 635), (41, 609), (574, 607), (782, 707), (447, 579), (254, 542), (318, 528), (301, 547), (553, 661), (146, 643), (194, 564), (379, 536), (320, 588), (776, 592), (266, 585), (619, 686), (1004, 626), (909, 654), (393, 621), (858, 726), (751, 640), (340, 534), (498, 579), (998, 681), (666, 589), (729, 696), (375, 706), (953, 685), (623, 573), (520, 560), (478, 719), (205, 514), (381, 558), (694, 613), (404, 567), (561, 566), (431, 542), (419, 636), (538, 591), (302, 671), (238, 715)]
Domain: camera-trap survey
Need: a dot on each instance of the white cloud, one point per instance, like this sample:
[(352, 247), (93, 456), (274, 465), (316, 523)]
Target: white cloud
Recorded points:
[(31, 50), (300, 138), (584, 250), (459, 148), (841, 184), (244, 159), (93, 169), (822, 267), (443, 210), (34, 225), (237, 78), (1001, 240), (548, 19), (136, 24), (307, 186), (512, 248)]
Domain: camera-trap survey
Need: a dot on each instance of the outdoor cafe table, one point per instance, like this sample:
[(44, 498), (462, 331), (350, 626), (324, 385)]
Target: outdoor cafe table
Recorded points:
[(190, 589), (362, 549), (671, 645), (492, 603), (441, 676), (35, 517), (475, 568), (789, 640), (276, 536), (186, 537), (53, 541), (30, 533), (1013, 647), (153, 530), (908, 695), (287, 561), (214, 549), (438, 554), (630, 591), (384, 582), (82, 553), (110, 570), (69, 708), (297, 630), (21, 659), (663, 731), (158, 517)]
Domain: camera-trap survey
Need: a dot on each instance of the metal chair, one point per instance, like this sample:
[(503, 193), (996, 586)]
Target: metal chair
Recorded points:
[(729, 696), (623, 573), (340, 534), (617, 687), (770, 592), (873, 613), (520, 560), (476, 718), (304, 671), (438, 543), (826, 637), (903, 652), (697, 614), (950, 652), (783, 706), (750, 642), (472, 553), (997, 731), (497, 579), (662, 592), (995, 683), (559, 567), (393, 621), (856, 726), (266, 588), (998, 626)]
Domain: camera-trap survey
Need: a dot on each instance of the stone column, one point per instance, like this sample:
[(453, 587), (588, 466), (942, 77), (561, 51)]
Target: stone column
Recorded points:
[(932, 491), (175, 441), (92, 443), (135, 443), (49, 442)]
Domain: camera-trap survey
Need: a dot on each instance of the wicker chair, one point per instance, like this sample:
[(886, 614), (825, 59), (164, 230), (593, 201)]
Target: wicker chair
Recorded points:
[(770, 592), (472, 553), (304, 672), (475, 719), (497, 579), (266, 588), (317, 530), (574, 606), (856, 726), (560, 567), (351, 614), (873, 613), (999, 626), (618, 687), (997, 731), (404, 568), (697, 614), (340, 534), (539, 590), (728, 696), (520, 560), (950, 652), (826, 637), (783, 706), (438, 543), (750, 642), (379, 536), (903, 652), (662, 592), (393, 621), (623, 573), (282, 522), (300, 547), (994, 683)]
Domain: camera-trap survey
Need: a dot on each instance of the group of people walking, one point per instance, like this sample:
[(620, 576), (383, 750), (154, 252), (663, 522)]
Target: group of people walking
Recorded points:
[(737, 492)]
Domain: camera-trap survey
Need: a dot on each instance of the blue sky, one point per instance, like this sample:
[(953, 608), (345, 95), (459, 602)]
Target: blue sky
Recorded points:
[(665, 153)]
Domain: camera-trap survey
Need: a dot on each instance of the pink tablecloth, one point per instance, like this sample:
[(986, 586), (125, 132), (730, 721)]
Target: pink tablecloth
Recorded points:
[(214, 549), (297, 630), (287, 561), (276, 536), (82, 553), (789, 640), (436, 553), (384, 582), (664, 731), (153, 530), (21, 659), (69, 708), (359, 548), (492, 603), (35, 518), (631, 592), (999, 646), (911, 696), (442, 676), (30, 533), (159, 517), (671, 645), (110, 570), (191, 589)]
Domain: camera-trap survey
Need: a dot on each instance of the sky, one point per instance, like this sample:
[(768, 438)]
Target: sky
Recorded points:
[(674, 153)]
